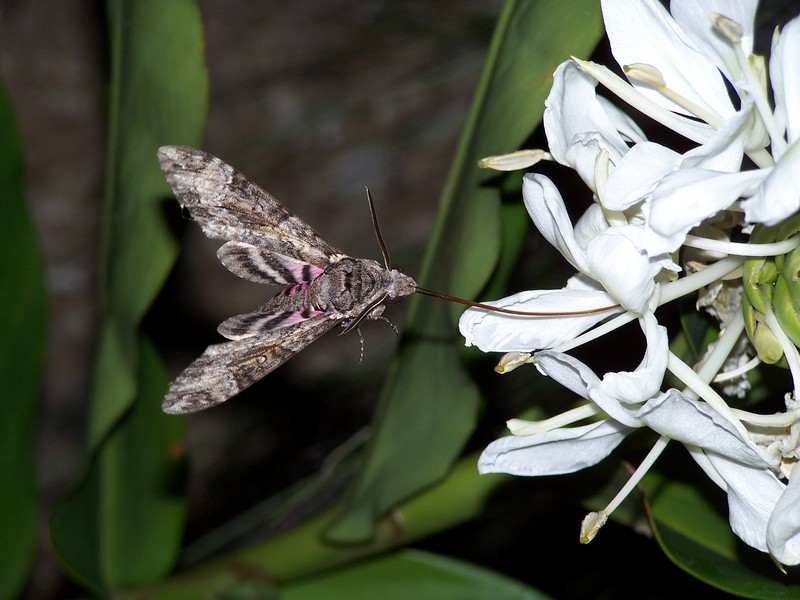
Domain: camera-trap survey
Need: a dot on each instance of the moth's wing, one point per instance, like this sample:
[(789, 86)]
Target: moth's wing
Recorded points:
[(269, 317), (265, 266), (228, 206), (224, 370)]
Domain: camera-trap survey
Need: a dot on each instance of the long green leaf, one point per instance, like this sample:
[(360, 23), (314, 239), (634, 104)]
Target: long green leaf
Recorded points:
[(429, 404), (142, 469), (120, 525), (22, 304), (411, 574), (690, 523)]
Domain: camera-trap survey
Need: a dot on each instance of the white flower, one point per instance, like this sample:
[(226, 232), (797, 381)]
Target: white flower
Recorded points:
[(649, 202), (613, 271), (778, 197)]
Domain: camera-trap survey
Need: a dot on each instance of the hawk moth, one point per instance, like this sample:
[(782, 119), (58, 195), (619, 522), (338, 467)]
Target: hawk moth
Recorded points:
[(267, 244)]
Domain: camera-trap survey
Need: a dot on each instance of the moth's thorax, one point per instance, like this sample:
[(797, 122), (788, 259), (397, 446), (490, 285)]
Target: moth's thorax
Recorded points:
[(351, 284)]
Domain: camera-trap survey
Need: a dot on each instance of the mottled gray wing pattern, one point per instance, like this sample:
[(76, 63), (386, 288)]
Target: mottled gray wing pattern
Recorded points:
[(265, 266), (224, 370), (228, 206)]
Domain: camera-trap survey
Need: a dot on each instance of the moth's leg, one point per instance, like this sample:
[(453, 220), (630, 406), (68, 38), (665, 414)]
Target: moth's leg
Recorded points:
[(392, 325), (360, 341)]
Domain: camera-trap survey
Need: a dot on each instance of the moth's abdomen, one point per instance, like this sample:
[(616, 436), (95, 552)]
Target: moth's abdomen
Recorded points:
[(349, 284)]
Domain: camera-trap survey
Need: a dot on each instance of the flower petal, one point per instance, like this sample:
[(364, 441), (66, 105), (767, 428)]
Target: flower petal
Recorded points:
[(778, 196), (644, 32), (555, 452), (572, 110), (686, 197), (783, 529), (615, 260), (637, 174), (752, 495), (592, 222), (681, 418), (546, 208), (498, 332), (580, 379), (725, 149), (785, 78), (643, 383)]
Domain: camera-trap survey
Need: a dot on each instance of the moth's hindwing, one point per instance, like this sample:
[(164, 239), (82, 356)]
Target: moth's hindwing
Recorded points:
[(265, 266), (269, 317), (224, 370)]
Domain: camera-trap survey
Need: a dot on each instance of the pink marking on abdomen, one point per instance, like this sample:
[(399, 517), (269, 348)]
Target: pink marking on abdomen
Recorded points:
[(303, 272), (297, 287)]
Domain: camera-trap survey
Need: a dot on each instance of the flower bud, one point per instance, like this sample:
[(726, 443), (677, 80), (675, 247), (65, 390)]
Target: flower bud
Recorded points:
[(764, 341)]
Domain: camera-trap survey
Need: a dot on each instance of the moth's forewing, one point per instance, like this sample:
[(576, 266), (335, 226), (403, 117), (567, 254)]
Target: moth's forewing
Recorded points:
[(224, 370), (228, 206)]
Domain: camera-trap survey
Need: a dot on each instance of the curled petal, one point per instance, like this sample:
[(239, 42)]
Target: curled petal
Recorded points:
[(572, 110), (546, 208), (580, 379), (555, 452), (644, 382), (778, 197), (615, 260)]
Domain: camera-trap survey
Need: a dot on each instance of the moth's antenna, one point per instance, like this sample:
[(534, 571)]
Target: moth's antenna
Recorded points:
[(377, 229), (511, 311)]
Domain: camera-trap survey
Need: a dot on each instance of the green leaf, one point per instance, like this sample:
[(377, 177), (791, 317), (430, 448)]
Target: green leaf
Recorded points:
[(130, 509), (690, 522), (143, 469), (250, 590), (22, 304), (121, 524), (428, 405), (158, 95), (414, 375), (411, 574)]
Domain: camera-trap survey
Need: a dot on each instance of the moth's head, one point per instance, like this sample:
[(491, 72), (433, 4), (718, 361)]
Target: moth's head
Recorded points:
[(401, 285)]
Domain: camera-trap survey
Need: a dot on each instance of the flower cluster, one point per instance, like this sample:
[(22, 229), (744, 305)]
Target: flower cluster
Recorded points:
[(661, 227)]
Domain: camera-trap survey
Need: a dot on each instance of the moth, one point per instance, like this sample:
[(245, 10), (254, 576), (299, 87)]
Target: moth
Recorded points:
[(266, 243)]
